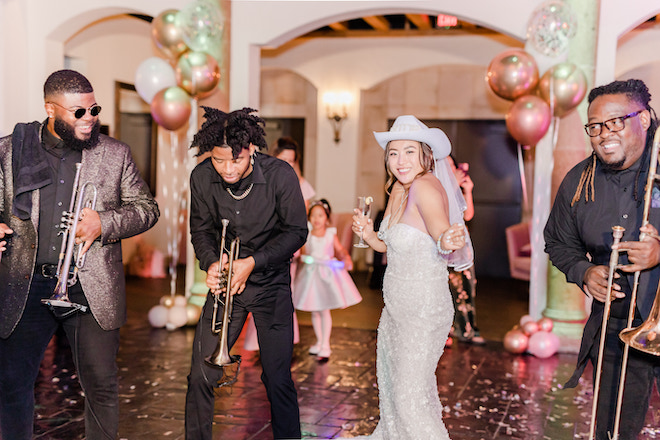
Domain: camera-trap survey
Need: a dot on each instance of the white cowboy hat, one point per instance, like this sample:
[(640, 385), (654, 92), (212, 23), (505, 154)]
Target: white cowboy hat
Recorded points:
[(408, 127)]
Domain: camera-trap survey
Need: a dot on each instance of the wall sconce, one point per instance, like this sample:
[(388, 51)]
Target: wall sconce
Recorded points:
[(335, 107)]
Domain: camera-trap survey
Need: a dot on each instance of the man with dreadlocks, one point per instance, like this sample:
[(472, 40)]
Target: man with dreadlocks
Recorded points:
[(602, 191), (261, 198)]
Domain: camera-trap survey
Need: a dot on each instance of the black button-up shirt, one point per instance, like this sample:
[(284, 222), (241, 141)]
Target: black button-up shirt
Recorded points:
[(270, 221), (55, 197), (579, 237)]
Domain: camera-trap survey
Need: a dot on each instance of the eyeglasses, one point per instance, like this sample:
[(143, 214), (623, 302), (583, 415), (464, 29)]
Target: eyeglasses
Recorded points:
[(80, 112), (613, 125)]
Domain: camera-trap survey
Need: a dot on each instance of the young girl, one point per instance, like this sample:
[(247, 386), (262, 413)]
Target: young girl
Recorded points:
[(323, 282)]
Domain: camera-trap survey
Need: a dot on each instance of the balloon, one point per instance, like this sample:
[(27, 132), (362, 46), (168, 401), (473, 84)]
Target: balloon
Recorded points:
[(194, 311), (543, 344), (525, 318), (180, 300), (167, 34), (545, 324), (528, 119), (153, 75), (171, 108), (158, 316), (530, 327), (512, 74), (167, 301), (515, 341), (563, 86), (177, 317), (202, 24), (551, 26), (197, 73)]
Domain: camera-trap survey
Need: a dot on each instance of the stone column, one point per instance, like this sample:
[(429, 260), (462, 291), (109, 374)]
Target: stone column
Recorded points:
[(566, 302)]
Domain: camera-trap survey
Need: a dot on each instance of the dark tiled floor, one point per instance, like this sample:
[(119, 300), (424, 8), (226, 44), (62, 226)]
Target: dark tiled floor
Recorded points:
[(487, 392)]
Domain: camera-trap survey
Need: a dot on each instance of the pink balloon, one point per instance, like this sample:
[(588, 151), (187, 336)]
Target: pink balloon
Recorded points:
[(515, 341), (530, 327), (512, 74), (546, 324), (525, 318), (563, 86), (543, 344), (528, 119), (171, 108)]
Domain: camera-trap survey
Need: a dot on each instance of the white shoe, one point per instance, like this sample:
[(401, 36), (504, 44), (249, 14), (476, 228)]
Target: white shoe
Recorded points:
[(315, 349), (324, 354)]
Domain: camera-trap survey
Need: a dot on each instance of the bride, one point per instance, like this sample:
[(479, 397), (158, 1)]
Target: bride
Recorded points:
[(422, 232)]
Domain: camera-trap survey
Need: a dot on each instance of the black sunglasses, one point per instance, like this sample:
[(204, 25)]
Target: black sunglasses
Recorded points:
[(80, 112)]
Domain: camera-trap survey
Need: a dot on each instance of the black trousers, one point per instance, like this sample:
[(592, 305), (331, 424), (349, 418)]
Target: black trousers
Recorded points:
[(640, 376), (94, 354), (273, 318)]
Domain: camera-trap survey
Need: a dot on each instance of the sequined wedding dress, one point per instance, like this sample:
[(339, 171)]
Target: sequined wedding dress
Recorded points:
[(413, 328)]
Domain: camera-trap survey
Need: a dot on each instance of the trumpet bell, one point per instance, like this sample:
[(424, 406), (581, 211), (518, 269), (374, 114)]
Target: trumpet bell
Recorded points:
[(60, 298), (644, 338)]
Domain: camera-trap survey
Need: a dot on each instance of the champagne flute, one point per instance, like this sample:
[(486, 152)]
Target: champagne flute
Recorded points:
[(364, 205)]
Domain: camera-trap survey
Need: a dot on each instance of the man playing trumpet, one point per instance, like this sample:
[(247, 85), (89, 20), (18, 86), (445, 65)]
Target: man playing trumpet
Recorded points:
[(37, 173), (602, 191), (261, 198)]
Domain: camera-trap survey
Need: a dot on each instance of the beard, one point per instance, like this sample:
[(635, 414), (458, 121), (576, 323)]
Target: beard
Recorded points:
[(67, 133)]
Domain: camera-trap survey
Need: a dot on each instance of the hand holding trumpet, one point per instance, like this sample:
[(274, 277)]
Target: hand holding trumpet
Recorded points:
[(88, 229), (4, 230), (241, 270)]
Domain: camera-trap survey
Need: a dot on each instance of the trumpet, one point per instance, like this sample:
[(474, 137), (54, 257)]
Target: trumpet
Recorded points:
[(66, 277), (220, 356)]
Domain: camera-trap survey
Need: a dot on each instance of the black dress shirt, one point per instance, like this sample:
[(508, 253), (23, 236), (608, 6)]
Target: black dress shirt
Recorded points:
[(56, 197), (270, 221), (579, 237)]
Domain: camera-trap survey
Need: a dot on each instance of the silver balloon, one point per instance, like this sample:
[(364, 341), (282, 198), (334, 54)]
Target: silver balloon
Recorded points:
[(551, 27)]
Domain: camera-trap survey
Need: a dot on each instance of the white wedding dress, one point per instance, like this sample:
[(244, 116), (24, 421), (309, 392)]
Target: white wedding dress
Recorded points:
[(413, 328)]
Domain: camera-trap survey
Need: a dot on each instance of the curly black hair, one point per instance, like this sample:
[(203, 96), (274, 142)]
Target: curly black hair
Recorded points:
[(237, 129), (66, 81)]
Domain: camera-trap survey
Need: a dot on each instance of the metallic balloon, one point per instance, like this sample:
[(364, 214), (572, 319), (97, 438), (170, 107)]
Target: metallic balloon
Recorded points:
[(528, 119), (515, 341), (197, 73), (530, 328), (194, 312), (551, 27), (167, 34), (171, 108), (546, 324), (167, 301), (512, 74), (563, 86)]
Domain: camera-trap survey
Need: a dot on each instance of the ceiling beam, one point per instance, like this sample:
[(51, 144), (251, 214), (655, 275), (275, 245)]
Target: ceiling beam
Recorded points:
[(377, 22), (339, 27), (422, 22)]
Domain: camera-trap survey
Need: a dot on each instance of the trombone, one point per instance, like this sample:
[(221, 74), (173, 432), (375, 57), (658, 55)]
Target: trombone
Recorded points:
[(67, 277), (220, 356), (644, 337)]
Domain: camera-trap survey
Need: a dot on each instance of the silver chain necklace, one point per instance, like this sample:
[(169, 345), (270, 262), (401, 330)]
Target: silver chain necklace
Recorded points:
[(242, 196)]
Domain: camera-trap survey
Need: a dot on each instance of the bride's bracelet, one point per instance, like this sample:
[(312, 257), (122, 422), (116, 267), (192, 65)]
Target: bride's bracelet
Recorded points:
[(442, 250)]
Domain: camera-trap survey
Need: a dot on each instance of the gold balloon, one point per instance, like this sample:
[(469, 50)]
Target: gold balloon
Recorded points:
[(167, 34), (512, 74), (515, 341), (171, 108), (197, 73), (528, 120), (193, 312), (563, 86), (167, 301)]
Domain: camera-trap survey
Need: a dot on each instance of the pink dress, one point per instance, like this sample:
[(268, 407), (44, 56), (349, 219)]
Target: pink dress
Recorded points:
[(322, 282)]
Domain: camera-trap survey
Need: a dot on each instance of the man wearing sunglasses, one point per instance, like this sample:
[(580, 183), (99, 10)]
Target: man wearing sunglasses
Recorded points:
[(38, 164), (605, 190)]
